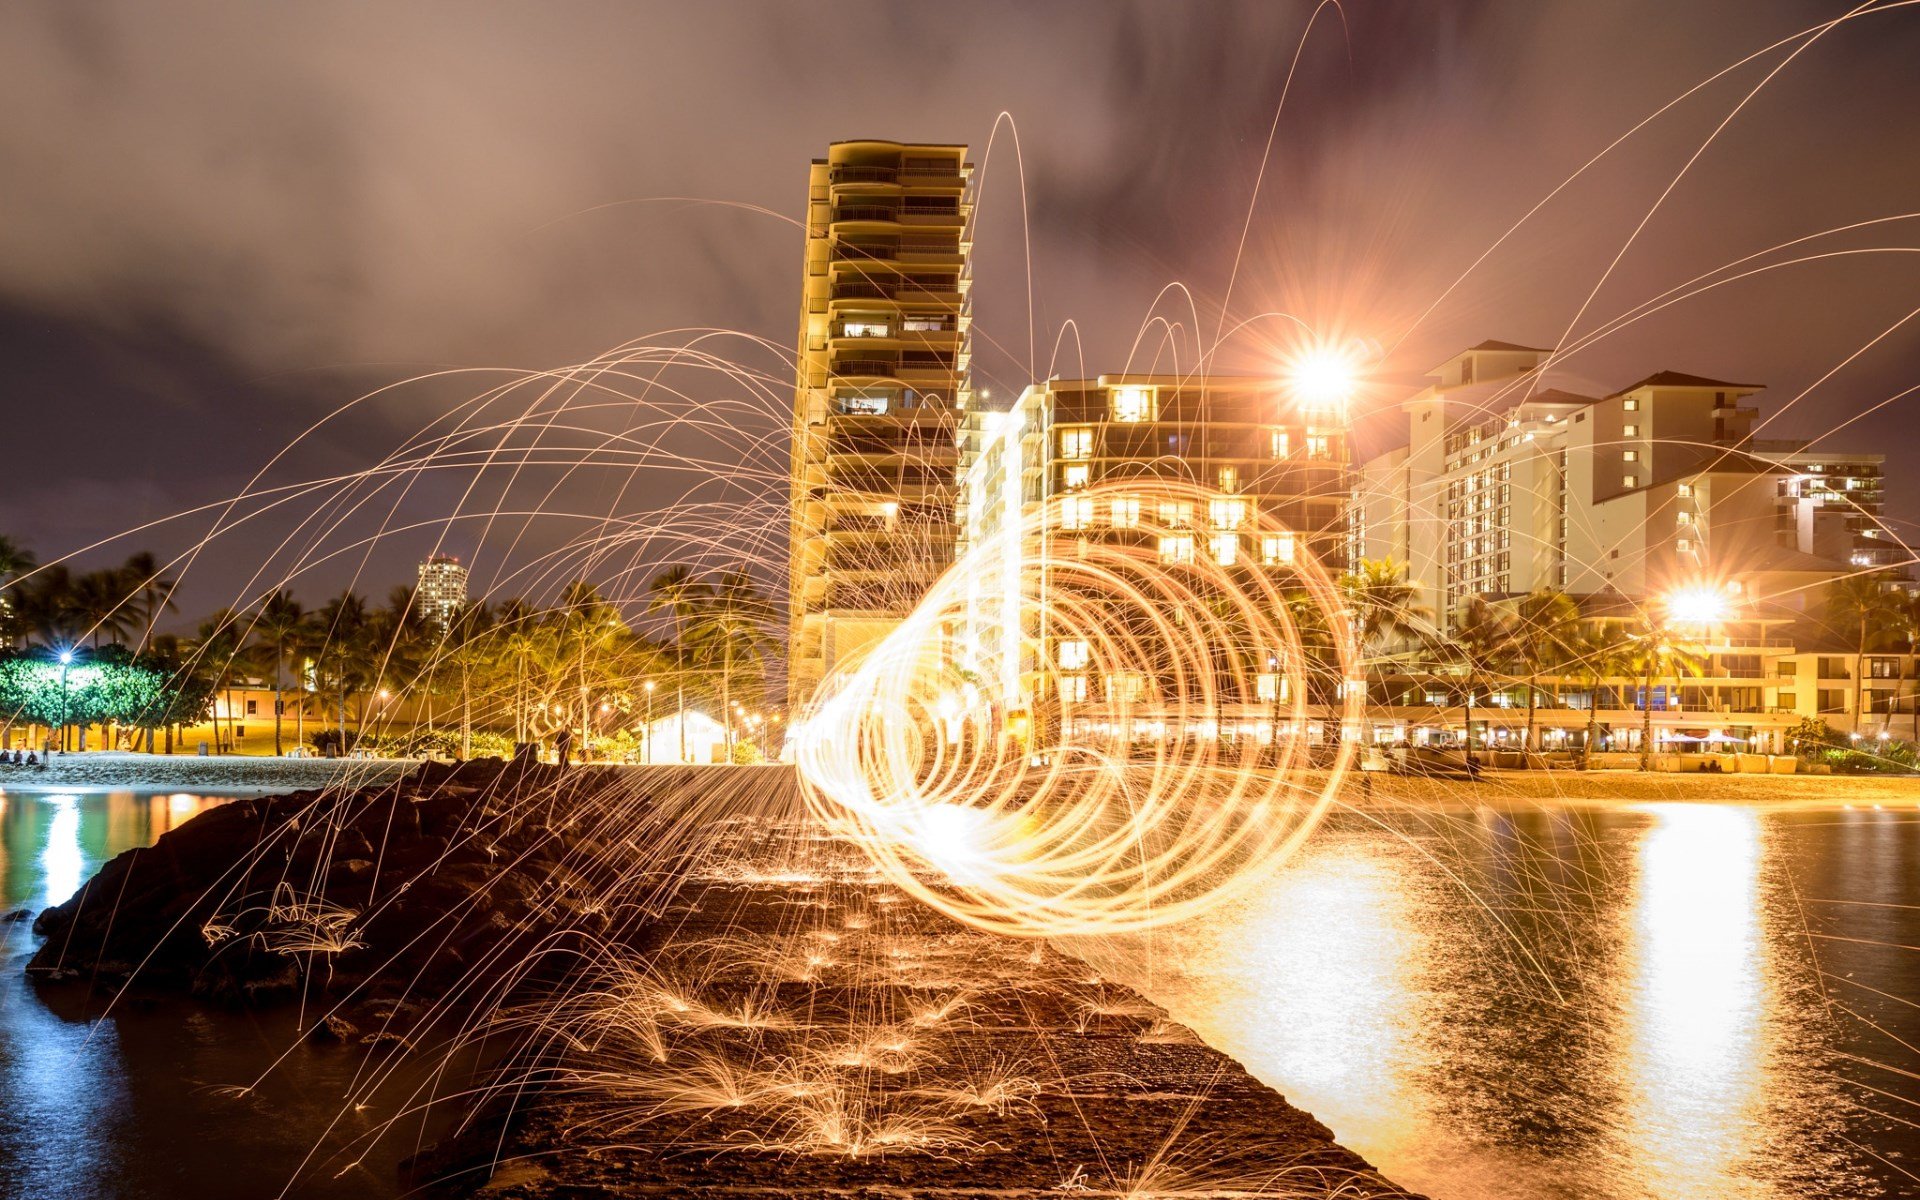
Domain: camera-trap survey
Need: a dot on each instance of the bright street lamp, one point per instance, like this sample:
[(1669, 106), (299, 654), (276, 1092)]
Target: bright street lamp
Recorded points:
[(66, 660)]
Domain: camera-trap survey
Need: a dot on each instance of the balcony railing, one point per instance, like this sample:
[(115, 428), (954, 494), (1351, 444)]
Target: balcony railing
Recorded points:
[(864, 174)]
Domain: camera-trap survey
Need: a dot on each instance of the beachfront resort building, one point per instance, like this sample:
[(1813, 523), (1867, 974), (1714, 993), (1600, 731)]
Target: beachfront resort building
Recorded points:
[(1508, 485), (882, 379)]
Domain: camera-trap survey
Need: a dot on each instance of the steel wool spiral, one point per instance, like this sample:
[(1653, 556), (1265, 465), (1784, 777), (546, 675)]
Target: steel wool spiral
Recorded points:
[(1114, 713)]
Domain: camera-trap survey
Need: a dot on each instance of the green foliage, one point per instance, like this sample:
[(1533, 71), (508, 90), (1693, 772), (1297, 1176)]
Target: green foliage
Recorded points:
[(108, 685)]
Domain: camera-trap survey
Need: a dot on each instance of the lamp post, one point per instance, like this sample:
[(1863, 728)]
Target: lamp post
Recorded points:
[(66, 660)]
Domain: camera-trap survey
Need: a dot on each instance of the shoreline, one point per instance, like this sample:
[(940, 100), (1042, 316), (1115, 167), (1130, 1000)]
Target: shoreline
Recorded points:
[(119, 770)]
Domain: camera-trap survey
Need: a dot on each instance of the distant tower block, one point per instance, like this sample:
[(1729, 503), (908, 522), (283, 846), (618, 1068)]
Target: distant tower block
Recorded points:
[(442, 591), (881, 384)]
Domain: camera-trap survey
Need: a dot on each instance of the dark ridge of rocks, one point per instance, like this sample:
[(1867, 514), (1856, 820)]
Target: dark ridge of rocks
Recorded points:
[(453, 893), (419, 883)]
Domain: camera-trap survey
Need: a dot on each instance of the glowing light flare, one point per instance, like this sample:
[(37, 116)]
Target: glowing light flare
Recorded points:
[(1324, 376), (1698, 604), (1140, 781)]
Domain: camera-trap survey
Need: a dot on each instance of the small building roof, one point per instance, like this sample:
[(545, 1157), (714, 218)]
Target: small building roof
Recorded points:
[(1680, 379), (1508, 346)]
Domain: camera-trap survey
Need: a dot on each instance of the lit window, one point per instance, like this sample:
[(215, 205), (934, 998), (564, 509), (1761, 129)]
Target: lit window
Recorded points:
[(1317, 446), (1683, 518), (1226, 548), (1074, 655), (1073, 688), (1630, 430), (1126, 687), (1630, 405), (1270, 686), (862, 328), (1176, 514), (1630, 456), (1276, 549), (1074, 477), (1683, 546), (1176, 548), (1077, 512), (1630, 481), (1076, 443), (1228, 479), (1226, 514), (1684, 491), (924, 324), (1126, 512), (864, 403), (1133, 404), (1281, 443)]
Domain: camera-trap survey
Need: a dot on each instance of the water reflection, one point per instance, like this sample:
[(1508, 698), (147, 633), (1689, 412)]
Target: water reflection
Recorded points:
[(1695, 1005), (1578, 1002)]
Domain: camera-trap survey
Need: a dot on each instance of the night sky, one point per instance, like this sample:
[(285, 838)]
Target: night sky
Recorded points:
[(220, 222)]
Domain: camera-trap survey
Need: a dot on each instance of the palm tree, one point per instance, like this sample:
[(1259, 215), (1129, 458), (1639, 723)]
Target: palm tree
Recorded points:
[(1482, 642), (1381, 606), (1603, 651), (344, 651), (216, 649), (1863, 606), (150, 593), (682, 599), (737, 618), (1541, 636), (1660, 648), (101, 604), (277, 628), (45, 609)]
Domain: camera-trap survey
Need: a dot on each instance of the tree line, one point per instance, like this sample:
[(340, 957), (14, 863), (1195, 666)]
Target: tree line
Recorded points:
[(494, 672)]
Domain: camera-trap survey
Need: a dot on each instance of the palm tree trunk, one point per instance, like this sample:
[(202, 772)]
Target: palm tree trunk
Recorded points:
[(1646, 718), (1859, 679), (279, 704), (1532, 689), (1467, 724)]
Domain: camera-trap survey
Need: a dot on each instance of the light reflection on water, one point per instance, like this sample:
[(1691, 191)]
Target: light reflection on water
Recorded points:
[(132, 1107), (1668, 1002)]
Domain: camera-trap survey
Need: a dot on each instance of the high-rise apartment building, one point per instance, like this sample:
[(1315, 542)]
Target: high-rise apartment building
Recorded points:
[(882, 379), (442, 590)]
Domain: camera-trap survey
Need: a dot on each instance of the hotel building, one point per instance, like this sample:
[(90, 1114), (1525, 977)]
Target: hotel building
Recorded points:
[(1507, 485), (882, 379), (1272, 485)]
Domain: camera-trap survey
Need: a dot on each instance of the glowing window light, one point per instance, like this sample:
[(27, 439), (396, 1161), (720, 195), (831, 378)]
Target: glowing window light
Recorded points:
[(1176, 514), (1075, 477), (1276, 549), (1133, 404), (1074, 654), (1227, 513), (1176, 548), (1126, 512), (1077, 513), (1225, 548), (1076, 443)]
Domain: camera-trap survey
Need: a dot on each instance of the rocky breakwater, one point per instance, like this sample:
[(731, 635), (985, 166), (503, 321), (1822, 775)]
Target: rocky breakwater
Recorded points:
[(421, 893), (676, 985)]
